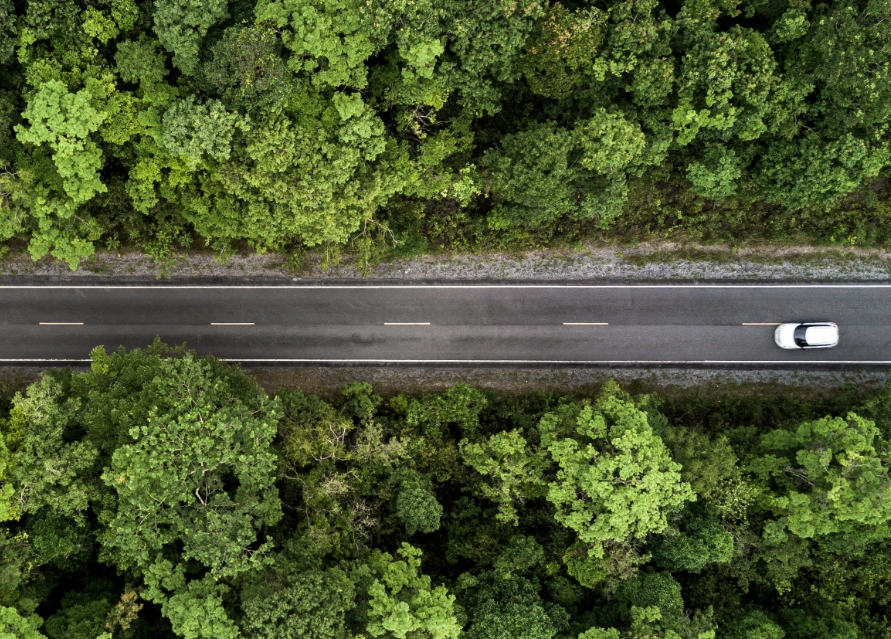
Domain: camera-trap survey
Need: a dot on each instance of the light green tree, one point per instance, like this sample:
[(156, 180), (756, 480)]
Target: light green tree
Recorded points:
[(716, 176), (402, 603), (8, 509), (195, 609), (193, 130), (15, 626), (63, 121), (513, 472), (639, 53), (329, 40), (829, 476), (616, 479), (46, 471)]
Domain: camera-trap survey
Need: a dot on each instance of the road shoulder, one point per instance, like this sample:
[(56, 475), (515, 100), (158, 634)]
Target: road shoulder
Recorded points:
[(644, 262)]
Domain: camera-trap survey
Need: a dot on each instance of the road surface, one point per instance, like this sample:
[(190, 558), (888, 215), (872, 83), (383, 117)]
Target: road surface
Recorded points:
[(460, 324)]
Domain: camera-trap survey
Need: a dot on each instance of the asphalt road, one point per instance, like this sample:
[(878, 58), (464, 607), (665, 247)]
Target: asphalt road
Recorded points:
[(644, 325)]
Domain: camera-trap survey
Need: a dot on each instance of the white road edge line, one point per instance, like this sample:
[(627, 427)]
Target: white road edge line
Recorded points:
[(551, 362), (61, 323), (432, 286), (406, 323), (585, 323), (762, 323), (502, 361), (58, 359), (232, 324)]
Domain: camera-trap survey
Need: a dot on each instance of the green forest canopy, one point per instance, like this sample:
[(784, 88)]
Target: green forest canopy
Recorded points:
[(284, 124), (161, 494)]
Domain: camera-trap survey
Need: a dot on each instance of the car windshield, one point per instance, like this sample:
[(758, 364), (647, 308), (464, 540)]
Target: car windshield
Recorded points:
[(800, 336)]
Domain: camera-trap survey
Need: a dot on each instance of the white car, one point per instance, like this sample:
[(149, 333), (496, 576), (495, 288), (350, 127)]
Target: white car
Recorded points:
[(807, 335)]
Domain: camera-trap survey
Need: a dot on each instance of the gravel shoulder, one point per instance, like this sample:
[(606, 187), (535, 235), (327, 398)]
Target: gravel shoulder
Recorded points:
[(647, 261)]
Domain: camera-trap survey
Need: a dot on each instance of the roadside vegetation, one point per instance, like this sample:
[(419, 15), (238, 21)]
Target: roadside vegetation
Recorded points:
[(161, 494), (394, 127)]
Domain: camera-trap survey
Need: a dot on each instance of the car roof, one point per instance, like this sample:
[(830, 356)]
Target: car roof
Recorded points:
[(816, 335)]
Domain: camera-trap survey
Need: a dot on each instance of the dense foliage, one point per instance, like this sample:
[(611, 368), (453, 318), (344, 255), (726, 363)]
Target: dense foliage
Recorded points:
[(164, 495), (285, 124)]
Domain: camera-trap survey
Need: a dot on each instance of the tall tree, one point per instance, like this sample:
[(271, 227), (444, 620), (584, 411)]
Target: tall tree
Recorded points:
[(616, 479)]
